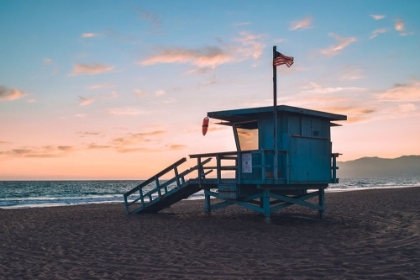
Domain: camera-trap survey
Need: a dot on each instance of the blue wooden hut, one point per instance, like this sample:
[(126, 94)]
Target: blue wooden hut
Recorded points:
[(283, 157)]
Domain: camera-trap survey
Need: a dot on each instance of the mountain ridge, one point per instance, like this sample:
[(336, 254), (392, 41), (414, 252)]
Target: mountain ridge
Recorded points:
[(369, 167)]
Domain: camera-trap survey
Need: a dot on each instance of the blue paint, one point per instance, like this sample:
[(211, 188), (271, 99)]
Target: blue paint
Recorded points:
[(265, 180)]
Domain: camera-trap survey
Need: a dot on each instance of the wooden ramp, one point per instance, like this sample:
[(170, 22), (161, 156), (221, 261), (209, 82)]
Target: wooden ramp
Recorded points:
[(155, 194)]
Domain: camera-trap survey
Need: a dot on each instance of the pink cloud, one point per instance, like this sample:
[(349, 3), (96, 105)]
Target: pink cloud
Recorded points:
[(399, 25), (402, 93), (210, 57), (89, 35), (301, 24), (85, 101), (376, 32), (342, 43), (92, 68), (377, 17), (7, 94)]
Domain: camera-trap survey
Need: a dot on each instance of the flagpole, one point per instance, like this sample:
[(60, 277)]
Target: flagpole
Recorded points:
[(275, 168)]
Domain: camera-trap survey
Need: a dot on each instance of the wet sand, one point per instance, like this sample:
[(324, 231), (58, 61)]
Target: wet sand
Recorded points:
[(367, 234)]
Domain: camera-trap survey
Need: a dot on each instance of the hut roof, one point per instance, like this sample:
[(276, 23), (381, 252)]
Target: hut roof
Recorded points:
[(250, 114)]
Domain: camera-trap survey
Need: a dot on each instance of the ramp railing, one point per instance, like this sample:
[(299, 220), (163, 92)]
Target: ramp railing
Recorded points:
[(154, 188)]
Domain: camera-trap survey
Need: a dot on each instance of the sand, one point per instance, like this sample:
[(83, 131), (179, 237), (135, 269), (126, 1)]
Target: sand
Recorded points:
[(367, 234)]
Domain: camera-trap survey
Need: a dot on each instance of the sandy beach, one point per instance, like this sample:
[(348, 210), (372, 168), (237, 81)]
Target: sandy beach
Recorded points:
[(367, 234)]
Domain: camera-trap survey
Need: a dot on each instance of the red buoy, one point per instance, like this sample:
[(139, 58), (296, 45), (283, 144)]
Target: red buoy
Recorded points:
[(205, 125)]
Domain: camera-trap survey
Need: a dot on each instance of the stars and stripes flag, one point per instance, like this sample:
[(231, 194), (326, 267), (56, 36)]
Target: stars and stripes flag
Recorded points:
[(281, 59)]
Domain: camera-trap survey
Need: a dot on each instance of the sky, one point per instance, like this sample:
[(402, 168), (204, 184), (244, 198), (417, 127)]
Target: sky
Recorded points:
[(119, 89)]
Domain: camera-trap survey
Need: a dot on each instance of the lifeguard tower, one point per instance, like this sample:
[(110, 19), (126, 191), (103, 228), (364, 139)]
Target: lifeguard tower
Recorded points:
[(283, 157)]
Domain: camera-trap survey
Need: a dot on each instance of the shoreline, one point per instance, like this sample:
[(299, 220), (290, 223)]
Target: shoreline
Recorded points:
[(48, 205), (366, 235)]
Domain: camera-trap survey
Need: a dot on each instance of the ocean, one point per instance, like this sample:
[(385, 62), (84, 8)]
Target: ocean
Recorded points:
[(18, 194)]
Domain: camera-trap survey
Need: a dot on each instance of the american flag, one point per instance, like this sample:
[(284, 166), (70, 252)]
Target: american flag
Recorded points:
[(280, 59)]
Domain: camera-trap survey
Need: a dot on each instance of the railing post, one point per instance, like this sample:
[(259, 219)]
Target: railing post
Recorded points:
[(334, 168), (263, 167), (239, 168), (141, 197), (199, 169), (158, 186), (219, 171), (176, 177)]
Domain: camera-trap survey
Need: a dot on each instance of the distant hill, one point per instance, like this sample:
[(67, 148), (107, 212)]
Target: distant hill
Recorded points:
[(368, 167)]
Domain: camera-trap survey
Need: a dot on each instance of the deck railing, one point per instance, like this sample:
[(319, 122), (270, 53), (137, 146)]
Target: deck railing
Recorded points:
[(264, 165), (236, 157)]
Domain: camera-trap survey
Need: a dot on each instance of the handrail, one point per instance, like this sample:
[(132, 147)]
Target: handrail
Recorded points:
[(153, 178), (179, 178)]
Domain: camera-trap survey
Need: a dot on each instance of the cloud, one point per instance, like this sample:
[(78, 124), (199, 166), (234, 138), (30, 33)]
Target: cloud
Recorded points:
[(80, 115), (137, 138), (378, 17), (7, 94), (205, 57), (399, 25), (92, 68), (114, 94), (89, 35), (99, 86), (159, 92), (241, 23), (324, 90), (153, 19), (351, 74), (87, 133), (40, 152), (209, 57), (176, 147), (93, 146), (301, 24), (342, 43), (409, 92), (140, 92), (126, 112), (49, 62), (85, 101), (252, 47), (31, 100), (376, 32)]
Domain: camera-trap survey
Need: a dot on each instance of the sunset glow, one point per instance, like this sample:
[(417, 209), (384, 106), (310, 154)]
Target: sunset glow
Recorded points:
[(119, 89)]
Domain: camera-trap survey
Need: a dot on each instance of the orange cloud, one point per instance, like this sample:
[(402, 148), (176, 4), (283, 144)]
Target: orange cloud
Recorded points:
[(93, 146), (208, 58), (10, 94), (85, 101), (301, 24), (39, 152), (342, 43), (136, 138), (402, 93), (176, 147), (92, 68)]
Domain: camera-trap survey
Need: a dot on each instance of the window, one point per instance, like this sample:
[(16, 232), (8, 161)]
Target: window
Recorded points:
[(248, 138)]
